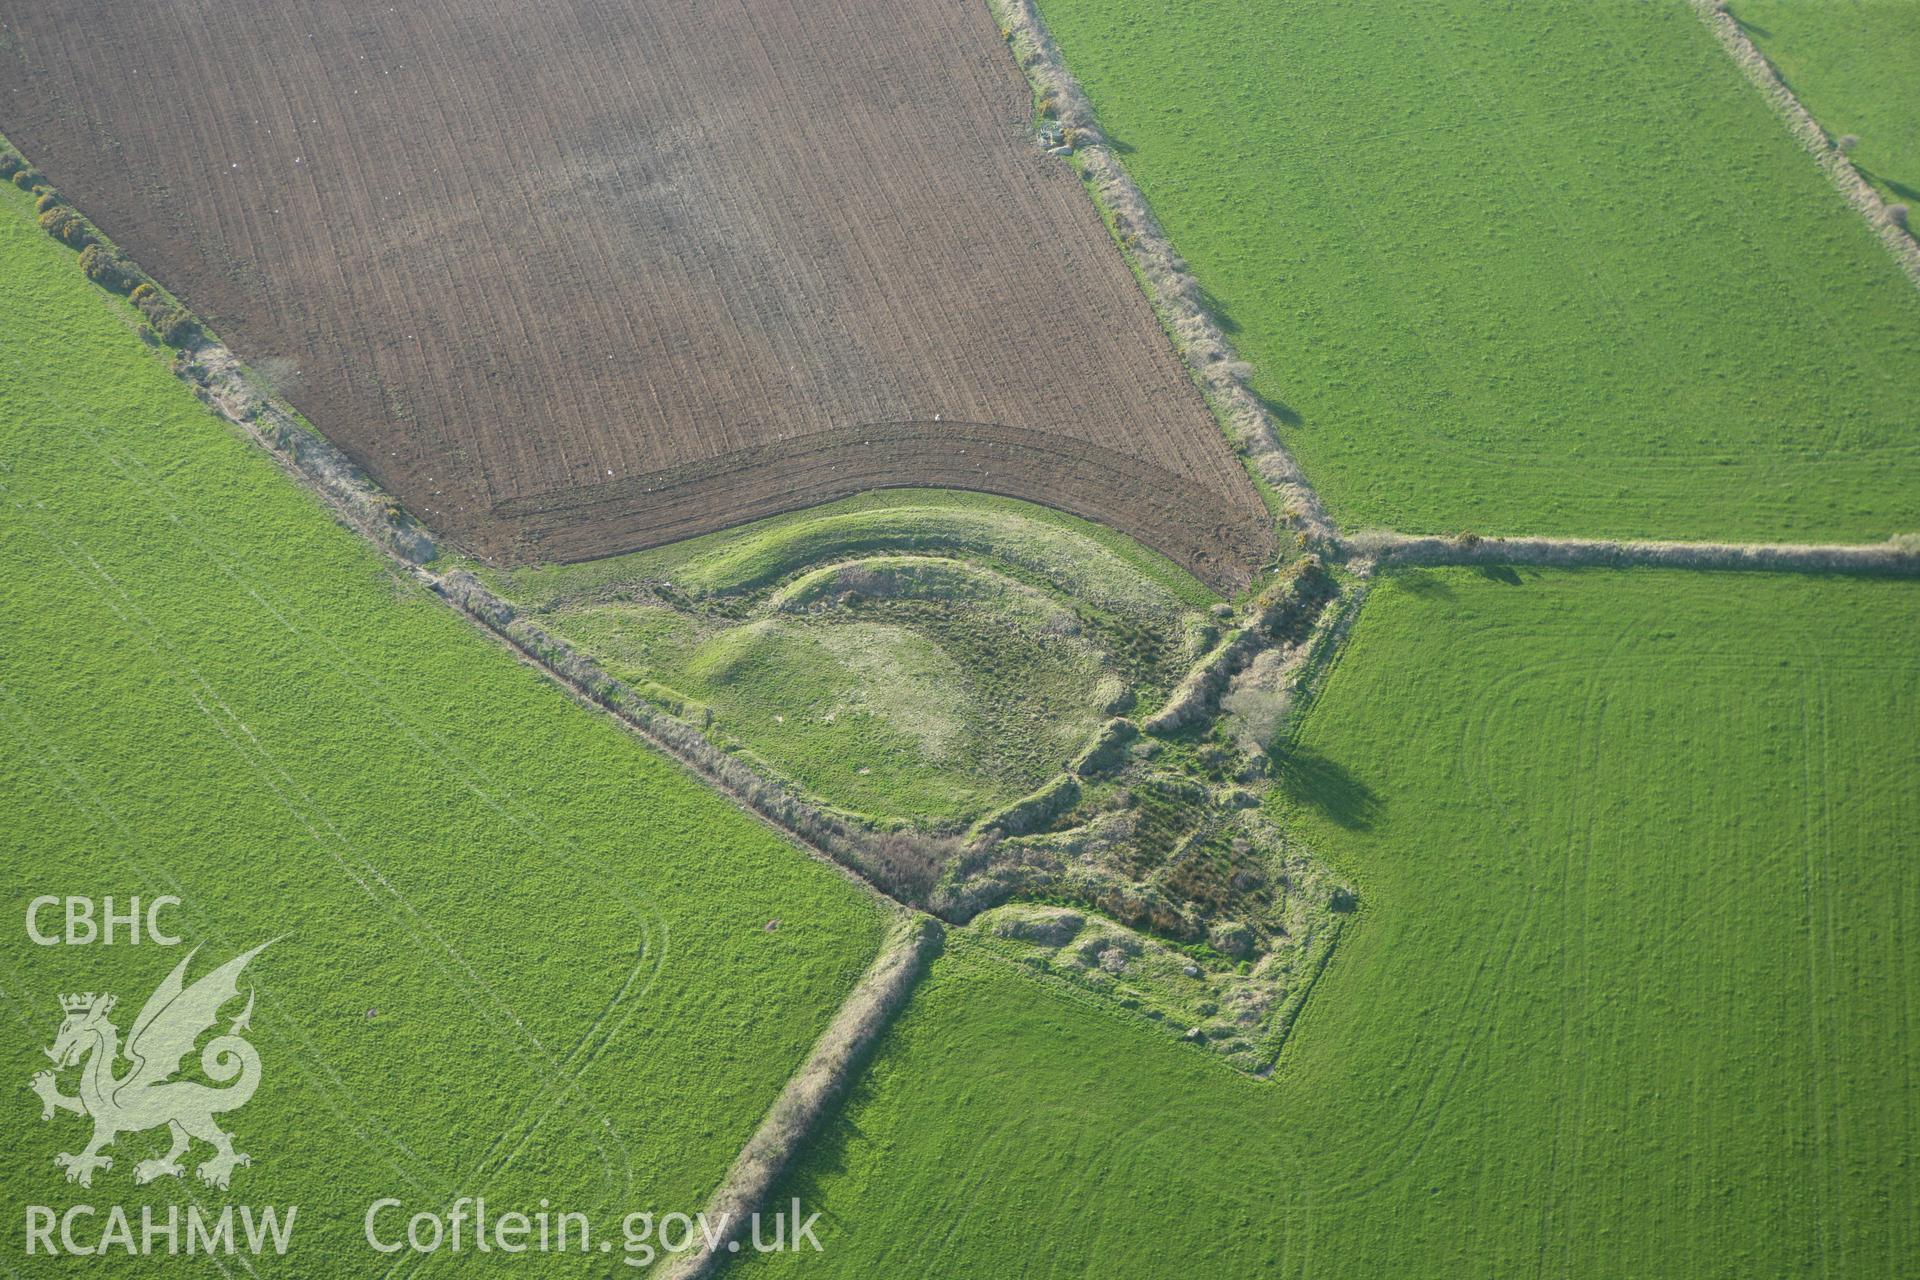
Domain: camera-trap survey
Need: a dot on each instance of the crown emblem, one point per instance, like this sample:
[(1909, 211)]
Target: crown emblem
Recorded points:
[(85, 1002)]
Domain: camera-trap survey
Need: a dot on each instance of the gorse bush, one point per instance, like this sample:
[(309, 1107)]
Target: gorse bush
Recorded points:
[(65, 224), (48, 200), (10, 164), (172, 323), (27, 177), (107, 268)]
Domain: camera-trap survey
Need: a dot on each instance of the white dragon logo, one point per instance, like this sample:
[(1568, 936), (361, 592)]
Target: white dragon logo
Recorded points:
[(172, 1019)]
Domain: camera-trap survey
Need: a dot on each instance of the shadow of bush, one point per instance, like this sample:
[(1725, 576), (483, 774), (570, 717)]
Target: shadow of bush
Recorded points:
[(1310, 778)]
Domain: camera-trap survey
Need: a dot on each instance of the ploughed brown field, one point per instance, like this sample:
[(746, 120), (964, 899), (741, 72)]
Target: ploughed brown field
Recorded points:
[(575, 278)]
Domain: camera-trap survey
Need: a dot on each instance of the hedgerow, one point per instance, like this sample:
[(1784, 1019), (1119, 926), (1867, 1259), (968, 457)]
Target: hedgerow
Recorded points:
[(110, 269)]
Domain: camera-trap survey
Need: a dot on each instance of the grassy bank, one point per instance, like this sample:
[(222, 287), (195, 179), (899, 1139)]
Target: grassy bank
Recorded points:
[(914, 656)]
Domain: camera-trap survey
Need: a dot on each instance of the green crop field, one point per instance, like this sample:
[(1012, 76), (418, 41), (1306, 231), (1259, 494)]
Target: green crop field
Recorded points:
[(515, 954), (1547, 268), (908, 655), (1633, 989), (1854, 65)]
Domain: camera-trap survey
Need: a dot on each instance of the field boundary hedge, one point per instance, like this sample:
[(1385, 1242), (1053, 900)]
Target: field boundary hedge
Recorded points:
[(1278, 617), (811, 1092), (223, 384), (1176, 296), (100, 258), (905, 867), (1897, 557), (898, 867), (1853, 188)]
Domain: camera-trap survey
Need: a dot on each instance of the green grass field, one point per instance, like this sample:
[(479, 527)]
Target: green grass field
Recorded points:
[(1547, 268), (1633, 989), (518, 955), (913, 656), (1854, 65)]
